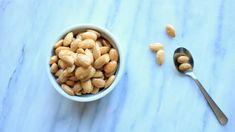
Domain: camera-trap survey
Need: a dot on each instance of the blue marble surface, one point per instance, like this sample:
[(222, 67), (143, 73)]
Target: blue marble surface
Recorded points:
[(149, 97)]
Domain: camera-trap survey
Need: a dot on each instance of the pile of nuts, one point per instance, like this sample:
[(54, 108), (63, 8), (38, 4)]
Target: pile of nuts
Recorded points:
[(184, 63), (84, 63), (158, 49)]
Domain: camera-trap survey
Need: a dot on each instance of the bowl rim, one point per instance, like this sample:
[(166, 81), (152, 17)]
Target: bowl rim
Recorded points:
[(104, 92)]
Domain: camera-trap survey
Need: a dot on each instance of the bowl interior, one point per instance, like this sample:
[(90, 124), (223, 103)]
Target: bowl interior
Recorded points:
[(89, 97)]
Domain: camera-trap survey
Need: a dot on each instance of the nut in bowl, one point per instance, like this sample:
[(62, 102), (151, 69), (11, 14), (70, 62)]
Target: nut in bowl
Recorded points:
[(85, 63)]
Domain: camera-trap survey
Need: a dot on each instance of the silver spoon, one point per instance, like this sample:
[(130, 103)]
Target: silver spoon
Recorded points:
[(221, 117)]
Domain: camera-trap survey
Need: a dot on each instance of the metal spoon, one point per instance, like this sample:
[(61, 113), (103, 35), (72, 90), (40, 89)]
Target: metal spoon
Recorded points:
[(221, 117)]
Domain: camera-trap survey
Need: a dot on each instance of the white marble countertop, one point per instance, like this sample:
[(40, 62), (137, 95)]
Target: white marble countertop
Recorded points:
[(149, 97)]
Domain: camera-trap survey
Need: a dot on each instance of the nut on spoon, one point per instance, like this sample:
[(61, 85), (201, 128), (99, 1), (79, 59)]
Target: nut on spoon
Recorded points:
[(221, 117)]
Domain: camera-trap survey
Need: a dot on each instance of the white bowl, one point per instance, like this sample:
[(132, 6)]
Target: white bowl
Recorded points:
[(120, 70)]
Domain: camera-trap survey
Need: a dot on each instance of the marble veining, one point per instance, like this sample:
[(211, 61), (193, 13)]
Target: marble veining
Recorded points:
[(149, 97)]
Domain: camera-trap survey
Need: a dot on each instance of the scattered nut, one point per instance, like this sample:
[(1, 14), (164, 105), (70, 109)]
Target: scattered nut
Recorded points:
[(170, 30), (160, 56), (155, 47)]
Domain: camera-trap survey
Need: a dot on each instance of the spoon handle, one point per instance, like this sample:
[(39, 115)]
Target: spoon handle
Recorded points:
[(221, 117)]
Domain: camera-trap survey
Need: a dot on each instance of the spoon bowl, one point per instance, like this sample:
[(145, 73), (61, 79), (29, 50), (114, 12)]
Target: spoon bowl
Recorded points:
[(179, 52)]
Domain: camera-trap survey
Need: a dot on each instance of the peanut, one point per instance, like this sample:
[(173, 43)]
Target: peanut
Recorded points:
[(58, 44), (89, 54), (99, 43), (70, 69), (98, 83), (101, 61), (62, 64), (110, 67), (185, 67), (65, 53), (90, 75), (109, 74), (96, 51), (57, 50), (53, 59), (95, 90), (106, 43), (67, 89), (82, 73), (77, 88), (86, 44), (68, 39), (90, 30), (104, 49), (183, 59), (155, 47), (160, 55), (109, 81), (62, 78), (74, 44), (73, 78), (87, 87), (54, 68), (170, 30), (83, 60), (80, 51), (89, 35), (79, 37), (70, 83), (98, 74), (68, 59), (113, 54), (59, 72)]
